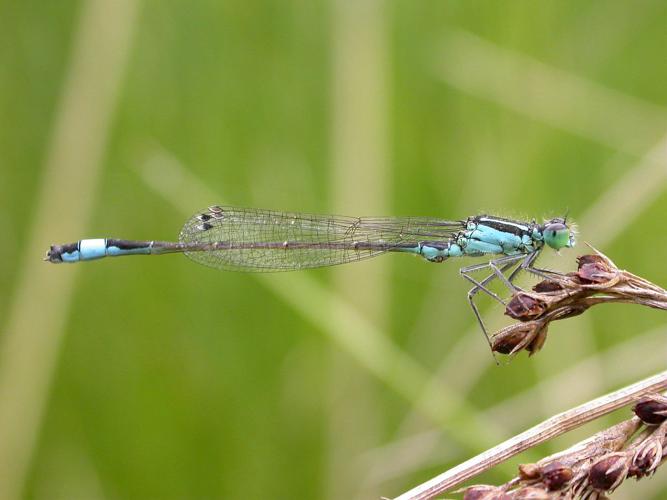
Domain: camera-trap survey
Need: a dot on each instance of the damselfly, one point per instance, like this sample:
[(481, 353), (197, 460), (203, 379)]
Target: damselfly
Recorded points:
[(255, 240)]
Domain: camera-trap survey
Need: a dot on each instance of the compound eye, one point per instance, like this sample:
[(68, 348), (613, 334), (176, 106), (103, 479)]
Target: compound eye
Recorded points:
[(555, 227), (556, 235)]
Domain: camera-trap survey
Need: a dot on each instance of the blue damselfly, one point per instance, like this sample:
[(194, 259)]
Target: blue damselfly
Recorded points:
[(255, 240)]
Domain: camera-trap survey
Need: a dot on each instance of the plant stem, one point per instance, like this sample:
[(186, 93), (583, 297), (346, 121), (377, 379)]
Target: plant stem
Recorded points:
[(550, 428)]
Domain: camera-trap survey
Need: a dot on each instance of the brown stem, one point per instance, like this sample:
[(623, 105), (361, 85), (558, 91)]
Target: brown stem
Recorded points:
[(550, 428)]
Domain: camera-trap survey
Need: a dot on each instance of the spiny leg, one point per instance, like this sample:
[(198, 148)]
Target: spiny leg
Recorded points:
[(498, 272), (527, 265), (506, 263), (546, 274), (481, 286)]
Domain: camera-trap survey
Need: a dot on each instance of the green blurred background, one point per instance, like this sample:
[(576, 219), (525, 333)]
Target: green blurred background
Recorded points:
[(157, 378)]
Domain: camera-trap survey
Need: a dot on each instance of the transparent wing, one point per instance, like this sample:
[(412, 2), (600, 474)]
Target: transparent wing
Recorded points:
[(249, 239)]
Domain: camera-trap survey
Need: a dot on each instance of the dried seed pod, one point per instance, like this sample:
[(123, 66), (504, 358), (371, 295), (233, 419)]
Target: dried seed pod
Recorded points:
[(593, 258), (525, 307), (607, 473), (556, 476), (547, 286), (529, 472), (514, 338), (647, 458), (652, 409), (595, 269)]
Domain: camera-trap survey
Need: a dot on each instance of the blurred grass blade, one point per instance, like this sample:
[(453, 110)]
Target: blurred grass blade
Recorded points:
[(31, 340), (552, 96), (360, 182)]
